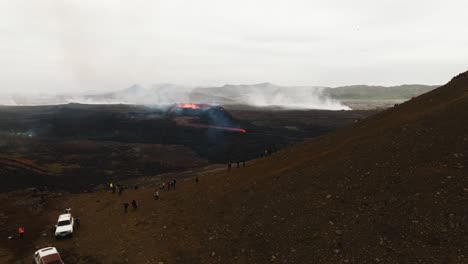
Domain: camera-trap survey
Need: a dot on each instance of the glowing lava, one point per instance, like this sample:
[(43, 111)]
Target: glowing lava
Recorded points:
[(187, 113), (228, 128), (192, 106)]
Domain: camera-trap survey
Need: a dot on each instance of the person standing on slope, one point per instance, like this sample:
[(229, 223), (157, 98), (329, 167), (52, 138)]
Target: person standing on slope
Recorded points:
[(21, 232)]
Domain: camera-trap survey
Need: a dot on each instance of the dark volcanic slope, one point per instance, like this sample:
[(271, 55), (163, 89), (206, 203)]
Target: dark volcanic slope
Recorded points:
[(14, 173), (389, 189), (98, 143)]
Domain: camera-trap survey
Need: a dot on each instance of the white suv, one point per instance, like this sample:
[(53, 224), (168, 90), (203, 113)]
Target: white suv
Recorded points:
[(47, 255), (64, 226)]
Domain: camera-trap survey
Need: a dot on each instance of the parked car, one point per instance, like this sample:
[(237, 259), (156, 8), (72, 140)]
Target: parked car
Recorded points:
[(47, 255), (64, 226)]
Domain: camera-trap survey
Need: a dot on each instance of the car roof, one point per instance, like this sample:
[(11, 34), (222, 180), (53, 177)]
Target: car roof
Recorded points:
[(46, 251), (64, 217), (52, 258)]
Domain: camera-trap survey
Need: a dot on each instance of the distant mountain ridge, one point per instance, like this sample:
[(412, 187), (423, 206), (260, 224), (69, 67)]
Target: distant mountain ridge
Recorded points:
[(262, 94), (366, 92), (265, 94)]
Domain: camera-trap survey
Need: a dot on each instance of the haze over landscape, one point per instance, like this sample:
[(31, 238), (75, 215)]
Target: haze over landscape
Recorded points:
[(220, 131), (259, 95), (76, 46)]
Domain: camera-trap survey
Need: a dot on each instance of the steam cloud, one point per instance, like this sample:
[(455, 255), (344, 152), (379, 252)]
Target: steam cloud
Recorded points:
[(288, 97), (262, 95)]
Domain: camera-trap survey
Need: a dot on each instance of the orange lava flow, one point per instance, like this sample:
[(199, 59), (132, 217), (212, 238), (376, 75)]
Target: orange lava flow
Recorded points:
[(192, 106)]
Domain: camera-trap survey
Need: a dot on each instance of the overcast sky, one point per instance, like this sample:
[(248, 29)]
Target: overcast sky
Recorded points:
[(82, 45)]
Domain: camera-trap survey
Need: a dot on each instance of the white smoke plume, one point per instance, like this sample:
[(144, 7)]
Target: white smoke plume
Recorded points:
[(267, 94), (262, 95)]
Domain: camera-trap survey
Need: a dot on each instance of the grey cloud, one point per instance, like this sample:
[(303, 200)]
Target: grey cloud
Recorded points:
[(77, 45)]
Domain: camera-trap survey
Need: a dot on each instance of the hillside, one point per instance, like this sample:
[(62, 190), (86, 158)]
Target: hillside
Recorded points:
[(16, 173), (389, 189)]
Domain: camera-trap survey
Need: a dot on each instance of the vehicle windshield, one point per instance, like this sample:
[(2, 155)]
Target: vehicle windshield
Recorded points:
[(63, 223)]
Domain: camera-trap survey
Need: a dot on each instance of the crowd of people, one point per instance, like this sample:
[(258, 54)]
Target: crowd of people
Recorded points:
[(229, 164), (166, 185)]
